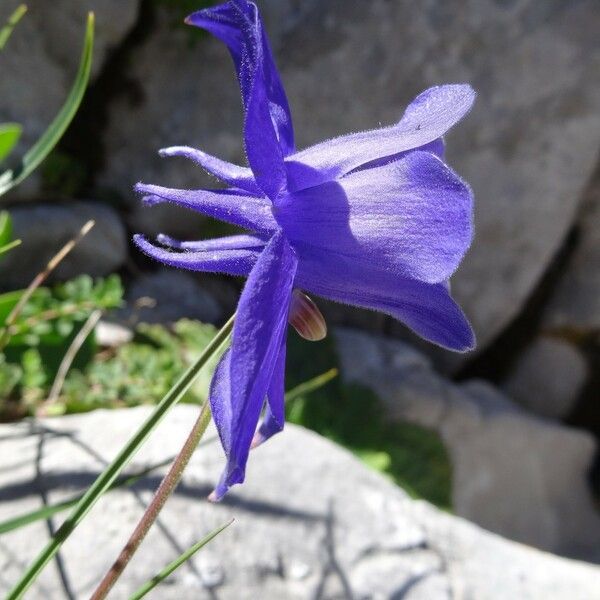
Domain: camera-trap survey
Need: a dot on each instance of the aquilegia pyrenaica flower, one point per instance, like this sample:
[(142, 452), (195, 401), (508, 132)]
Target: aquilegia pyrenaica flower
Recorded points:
[(374, 219)]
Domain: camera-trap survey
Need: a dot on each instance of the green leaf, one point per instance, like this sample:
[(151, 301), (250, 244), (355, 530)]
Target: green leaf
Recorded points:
[(7, 30), (112, 471), (6, 233), (8, 301), (5, 228), (10, 376), (35, 155), (172, 567), (10, 134)]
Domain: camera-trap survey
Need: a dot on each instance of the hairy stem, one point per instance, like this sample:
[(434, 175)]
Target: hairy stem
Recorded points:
[(165, 489), (108, 476)]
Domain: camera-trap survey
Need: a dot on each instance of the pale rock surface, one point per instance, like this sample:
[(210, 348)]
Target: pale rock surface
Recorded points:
[(575, 306), (190, 98), (548, 377), (311, 522), (520, 475)]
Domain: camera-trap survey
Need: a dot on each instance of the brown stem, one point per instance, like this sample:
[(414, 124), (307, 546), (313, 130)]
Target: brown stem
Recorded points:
[(38, 280), (68, 359), (167, 485), (50, 315)]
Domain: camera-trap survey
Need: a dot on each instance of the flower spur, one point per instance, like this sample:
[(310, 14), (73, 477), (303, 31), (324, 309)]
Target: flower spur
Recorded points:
[(374, 219)]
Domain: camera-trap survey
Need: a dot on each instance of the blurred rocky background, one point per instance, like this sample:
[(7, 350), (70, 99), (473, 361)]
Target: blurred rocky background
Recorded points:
[(520, 416)]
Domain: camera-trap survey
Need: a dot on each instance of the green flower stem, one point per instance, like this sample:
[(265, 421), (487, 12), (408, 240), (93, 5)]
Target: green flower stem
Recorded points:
[(310, 386), (171, 567), (165, 489), (108, 476)]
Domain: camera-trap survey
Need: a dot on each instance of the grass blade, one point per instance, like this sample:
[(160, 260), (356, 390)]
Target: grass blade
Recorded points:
[(171, 567), (10, 133), (7, 30), (36, 154), (9, 246), (108, 476), (311, 385), (6, 228)]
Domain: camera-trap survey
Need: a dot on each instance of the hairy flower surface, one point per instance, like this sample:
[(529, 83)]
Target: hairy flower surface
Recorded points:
[(374, 219)]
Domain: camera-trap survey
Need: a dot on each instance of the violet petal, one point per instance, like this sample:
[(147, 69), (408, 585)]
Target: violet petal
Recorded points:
[(258, 332), (429, 116), (411, 217)]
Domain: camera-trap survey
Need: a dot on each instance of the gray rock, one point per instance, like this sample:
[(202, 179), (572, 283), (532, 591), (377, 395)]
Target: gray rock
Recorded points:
[(45, 228), (575, 307), (541, 466), (311, 521), (548, 377), (40, 62), (527, 148), (179, 223), (170, 295), (182, 105), (516, 474)]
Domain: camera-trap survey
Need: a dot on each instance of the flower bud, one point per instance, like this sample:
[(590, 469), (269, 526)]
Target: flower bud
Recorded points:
[(306, 318)]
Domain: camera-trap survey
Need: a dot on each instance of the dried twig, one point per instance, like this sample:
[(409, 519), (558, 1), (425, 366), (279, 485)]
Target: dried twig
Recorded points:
[(39, 279), (51, 315), (69, 357)]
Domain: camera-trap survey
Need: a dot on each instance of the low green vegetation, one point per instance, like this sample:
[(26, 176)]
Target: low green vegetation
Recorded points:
[(37, 341), (143, 370), (135, 373)]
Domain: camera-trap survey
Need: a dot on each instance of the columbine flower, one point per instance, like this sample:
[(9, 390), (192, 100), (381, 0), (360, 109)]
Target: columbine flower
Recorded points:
[(374, 219)]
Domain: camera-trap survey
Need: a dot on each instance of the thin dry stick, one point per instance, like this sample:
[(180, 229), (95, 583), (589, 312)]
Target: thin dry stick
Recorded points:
[(168, 484), (69, 357), (39, 279), (51, 314)]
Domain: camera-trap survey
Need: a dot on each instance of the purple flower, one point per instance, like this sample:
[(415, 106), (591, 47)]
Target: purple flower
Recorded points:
[(373, 219)]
